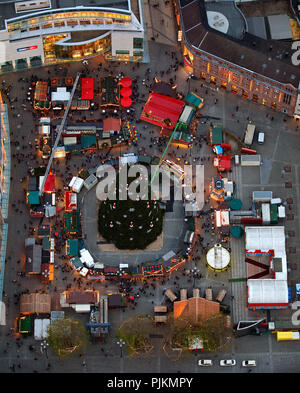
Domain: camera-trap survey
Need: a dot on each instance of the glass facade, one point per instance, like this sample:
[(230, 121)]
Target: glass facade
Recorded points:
[(54, 19), (4, 187), (54, 51)]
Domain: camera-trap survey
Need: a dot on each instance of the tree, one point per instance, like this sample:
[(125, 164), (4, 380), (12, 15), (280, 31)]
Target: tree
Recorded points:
[(214, 332), (135, 332), (65, 336), (130, 224)]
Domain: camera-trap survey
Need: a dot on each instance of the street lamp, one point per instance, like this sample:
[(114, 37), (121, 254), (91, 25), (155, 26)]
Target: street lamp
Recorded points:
[(44, 346), (121, 343), (195, 272)]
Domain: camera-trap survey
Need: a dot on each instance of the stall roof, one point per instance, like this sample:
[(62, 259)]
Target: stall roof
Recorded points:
[(33, 258), (70, 201), (72, 246), (33, 198), (82, 297), (60, 95), (49, 183), (116, 300), (267, 292), (265, 239), (159, 108), (88, 141), (87, 88), (39, 303), (111, 124)]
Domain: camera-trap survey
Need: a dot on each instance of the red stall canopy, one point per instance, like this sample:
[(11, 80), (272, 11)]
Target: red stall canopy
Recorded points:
[(126, 102), (126, 92), (161, 110), (126, 82), (87, 88), (50, 183)]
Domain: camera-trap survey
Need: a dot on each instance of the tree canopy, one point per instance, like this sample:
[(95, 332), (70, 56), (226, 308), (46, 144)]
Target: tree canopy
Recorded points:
[(66, 336)]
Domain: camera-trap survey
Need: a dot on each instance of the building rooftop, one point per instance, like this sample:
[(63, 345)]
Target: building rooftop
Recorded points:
[(265, 57), (8, 9)]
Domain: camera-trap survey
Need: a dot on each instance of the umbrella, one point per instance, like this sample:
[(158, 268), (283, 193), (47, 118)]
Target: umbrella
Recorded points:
[(126, 92), (126, 102), (126, 82)]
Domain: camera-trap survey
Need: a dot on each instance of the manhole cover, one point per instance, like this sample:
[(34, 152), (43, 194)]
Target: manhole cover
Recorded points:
[(287, 169), (288, 185), (291, 233), (289, 201), (292, 250)]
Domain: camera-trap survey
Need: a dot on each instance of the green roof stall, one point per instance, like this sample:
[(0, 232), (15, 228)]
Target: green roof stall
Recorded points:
[(33, 198), (216, 135), (72, 247), (88, 141), (194, 100)]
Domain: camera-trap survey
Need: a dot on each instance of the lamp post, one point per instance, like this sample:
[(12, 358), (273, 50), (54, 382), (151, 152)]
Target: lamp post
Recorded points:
[(194, 273), (44, 346), (121, 343)]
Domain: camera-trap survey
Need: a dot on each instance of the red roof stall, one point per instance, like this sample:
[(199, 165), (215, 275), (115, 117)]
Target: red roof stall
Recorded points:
[(87, 88), (50, 183), (70, 201), (161, 110), (126, 82), (224, 163)]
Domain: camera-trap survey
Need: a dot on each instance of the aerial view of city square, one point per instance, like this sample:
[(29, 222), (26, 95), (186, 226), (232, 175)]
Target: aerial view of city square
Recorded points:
[(149, 189)]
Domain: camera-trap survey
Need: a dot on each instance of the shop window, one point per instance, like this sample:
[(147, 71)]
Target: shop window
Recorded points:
[(35, 61), (234, 89), (203, 75), (59, 24), (213, 80), (21, 64), (244, 94), (264, 101), (224, 85), (32, 28), (255, 98), (7, 66), (138, 43), (122, 52)]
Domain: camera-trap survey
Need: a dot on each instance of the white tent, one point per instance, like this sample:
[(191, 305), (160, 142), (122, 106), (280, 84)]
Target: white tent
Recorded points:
[(267, 291), (61, 94), (273, 291), (265, 239)]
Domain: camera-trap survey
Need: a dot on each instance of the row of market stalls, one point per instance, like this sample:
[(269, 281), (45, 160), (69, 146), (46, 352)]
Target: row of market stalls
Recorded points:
[(56, 92), (80, 258), (36, 313), (45, 205)]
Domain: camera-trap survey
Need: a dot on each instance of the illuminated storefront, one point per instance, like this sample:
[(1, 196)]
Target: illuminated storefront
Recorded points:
[(55, 48), (42, 35), (4, 187)]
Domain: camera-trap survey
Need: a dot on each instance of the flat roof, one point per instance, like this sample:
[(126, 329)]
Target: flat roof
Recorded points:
[(8, 11), (269, 58)]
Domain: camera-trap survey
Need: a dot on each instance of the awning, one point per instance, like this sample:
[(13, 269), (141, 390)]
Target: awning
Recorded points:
[(50, 183), (87, 88), (126, 102), (33, 198), (126, 92), (126, 82)]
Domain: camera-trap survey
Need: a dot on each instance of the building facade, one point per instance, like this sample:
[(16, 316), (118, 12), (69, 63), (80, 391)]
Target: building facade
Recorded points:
[(4, 195), (44, 32), (251, 67)]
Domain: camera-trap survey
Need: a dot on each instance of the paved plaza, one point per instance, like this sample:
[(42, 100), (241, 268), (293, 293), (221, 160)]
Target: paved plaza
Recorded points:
[(279, 152)]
